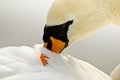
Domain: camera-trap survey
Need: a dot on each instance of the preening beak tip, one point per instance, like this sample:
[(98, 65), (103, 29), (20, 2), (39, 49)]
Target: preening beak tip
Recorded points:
[(44, 59)]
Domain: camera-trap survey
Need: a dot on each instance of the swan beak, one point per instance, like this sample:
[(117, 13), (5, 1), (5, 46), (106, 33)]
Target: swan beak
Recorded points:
[(56, 45), (44, 59)]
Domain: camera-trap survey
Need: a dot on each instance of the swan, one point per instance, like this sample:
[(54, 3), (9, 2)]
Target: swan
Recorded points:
[(67, 22), (71, 20)]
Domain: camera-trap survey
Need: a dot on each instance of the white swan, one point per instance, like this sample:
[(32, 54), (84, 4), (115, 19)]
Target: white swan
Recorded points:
[(71, 20), (67, 21)]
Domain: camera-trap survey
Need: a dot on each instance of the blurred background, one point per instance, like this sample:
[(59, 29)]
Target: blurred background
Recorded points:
[(22, 22)]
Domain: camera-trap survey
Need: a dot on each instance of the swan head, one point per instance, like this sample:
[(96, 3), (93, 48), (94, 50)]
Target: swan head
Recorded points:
[(55, 36), (60, 29)]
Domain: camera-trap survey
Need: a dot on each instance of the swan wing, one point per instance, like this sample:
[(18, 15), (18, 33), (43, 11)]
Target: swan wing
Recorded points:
[(23, 63), (18, 60)]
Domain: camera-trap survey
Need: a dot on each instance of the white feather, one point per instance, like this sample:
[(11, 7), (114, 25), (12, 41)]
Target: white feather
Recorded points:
[(115, 74), (23, 63)]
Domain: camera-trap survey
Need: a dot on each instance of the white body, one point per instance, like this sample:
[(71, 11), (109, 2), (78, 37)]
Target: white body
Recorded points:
[(22, 63)]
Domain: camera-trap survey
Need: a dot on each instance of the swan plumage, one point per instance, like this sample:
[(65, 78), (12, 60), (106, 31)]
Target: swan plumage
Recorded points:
[(115, 74), (22, 63), (77, 19)]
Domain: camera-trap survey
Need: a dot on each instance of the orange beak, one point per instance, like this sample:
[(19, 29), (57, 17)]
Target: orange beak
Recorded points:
[(56, 46)]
